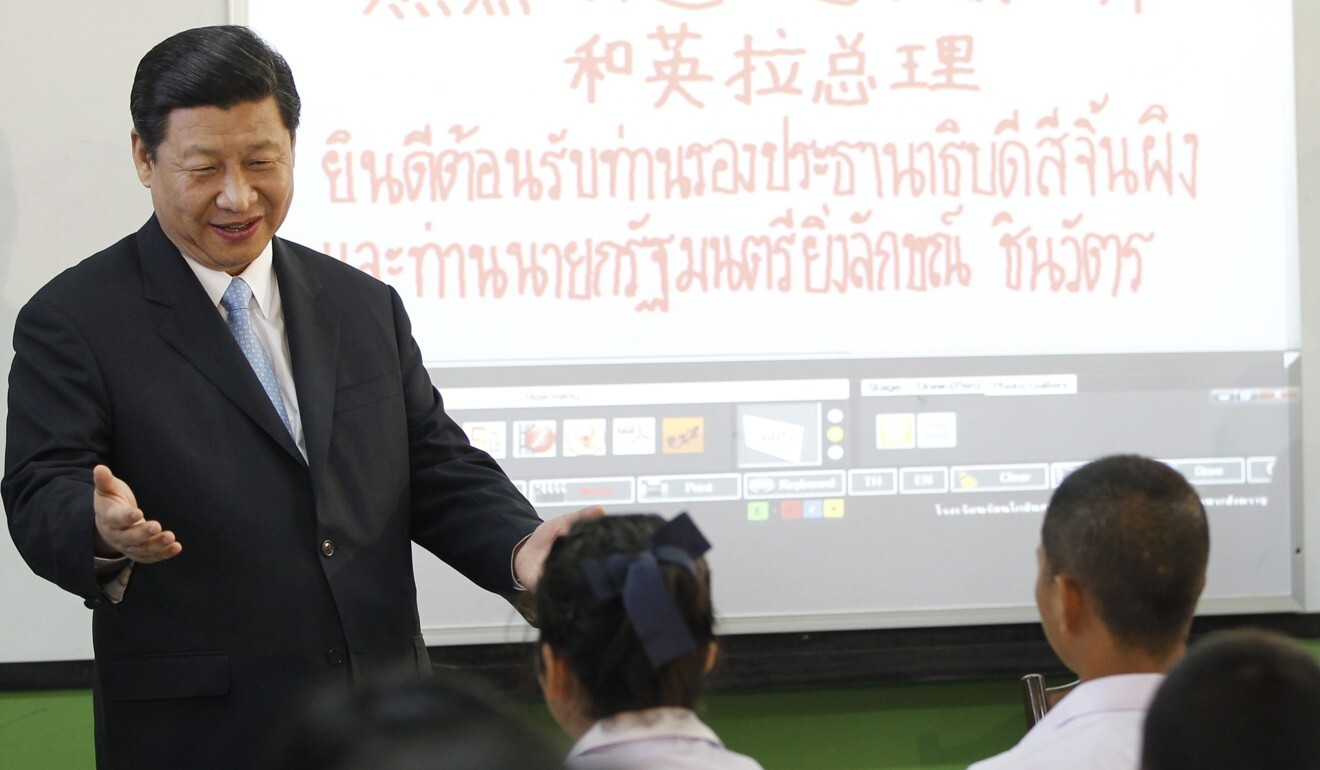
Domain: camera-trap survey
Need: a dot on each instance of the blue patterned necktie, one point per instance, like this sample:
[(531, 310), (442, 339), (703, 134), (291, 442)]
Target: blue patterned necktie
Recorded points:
[(236, 301)]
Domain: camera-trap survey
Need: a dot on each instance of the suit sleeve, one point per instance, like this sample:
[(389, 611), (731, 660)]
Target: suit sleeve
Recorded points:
[(465, 509), (58, 430)]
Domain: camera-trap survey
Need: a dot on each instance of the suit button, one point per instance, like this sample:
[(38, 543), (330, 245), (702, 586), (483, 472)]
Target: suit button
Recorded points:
[(327, 548), (335, 656)]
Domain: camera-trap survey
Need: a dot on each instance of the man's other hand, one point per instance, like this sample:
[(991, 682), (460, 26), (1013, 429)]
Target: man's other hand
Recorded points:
[(530, 558)]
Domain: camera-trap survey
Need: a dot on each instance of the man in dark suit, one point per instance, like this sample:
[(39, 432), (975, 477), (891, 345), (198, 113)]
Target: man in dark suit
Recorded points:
[(225, 442)]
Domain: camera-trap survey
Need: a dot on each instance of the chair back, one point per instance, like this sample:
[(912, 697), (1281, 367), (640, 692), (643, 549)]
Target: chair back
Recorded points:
[(1037, 699)]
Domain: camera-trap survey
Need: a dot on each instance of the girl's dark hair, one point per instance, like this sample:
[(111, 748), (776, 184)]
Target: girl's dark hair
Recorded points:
[(596, 636), (209, 67)]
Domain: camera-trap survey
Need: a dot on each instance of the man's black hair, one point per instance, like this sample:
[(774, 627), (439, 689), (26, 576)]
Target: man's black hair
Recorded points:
[(209, 67), (1133, 533)]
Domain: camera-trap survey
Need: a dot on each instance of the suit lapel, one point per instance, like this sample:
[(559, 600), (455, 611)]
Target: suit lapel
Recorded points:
[(190, 325), (313, 332)]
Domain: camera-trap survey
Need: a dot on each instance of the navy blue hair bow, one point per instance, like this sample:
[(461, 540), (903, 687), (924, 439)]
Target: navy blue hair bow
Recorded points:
[(646, 599)]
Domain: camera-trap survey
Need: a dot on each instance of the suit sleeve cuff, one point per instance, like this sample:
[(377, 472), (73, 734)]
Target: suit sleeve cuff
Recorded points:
[(112, 575), (517, 584)]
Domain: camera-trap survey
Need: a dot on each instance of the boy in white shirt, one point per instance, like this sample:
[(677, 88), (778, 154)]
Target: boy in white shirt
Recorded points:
[(1122, 562)]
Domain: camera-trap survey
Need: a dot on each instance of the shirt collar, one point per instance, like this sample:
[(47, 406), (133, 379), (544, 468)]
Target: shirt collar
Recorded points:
[(259, 275), (1123, 692), (627, 726)]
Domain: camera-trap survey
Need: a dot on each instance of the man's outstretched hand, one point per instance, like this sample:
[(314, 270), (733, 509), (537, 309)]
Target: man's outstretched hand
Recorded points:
[(122, 528)]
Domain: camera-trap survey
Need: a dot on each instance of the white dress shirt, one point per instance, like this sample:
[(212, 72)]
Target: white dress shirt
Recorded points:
[(267, 322), (654, 739), (1096, 726)]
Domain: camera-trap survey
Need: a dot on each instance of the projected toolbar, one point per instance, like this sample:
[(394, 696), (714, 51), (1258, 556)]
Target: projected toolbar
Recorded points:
[(860, 482)]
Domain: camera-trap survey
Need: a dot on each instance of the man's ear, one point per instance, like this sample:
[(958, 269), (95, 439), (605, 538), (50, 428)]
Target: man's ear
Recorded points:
[(142, 160), (1074, 605)]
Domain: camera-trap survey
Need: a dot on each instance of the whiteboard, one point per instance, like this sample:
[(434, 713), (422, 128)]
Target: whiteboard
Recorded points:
[(956, 216)]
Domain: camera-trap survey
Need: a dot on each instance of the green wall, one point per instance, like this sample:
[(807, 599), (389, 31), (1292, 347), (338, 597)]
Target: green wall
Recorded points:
[(944, 725), (46, 730), (899, 726)]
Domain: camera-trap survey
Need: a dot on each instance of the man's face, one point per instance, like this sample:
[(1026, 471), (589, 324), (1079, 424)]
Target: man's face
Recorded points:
[(221, 181)]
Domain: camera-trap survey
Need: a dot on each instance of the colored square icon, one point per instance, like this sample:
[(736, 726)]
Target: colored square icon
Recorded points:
[(488, 436), (937, 430), (535, 438), (634, 436), (895, 431), (584, 437), (683, 435), (758, 510)]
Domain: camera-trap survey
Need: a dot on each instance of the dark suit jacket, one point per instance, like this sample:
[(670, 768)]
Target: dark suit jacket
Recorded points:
[(292, 571)]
